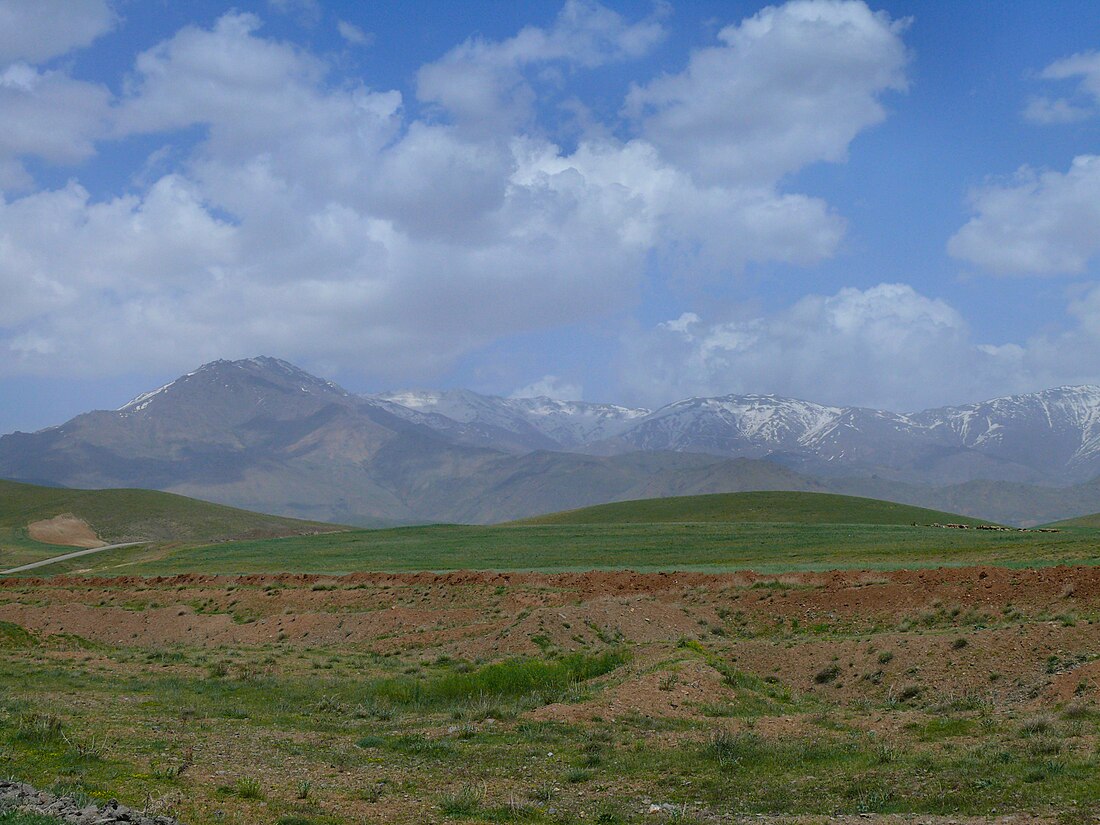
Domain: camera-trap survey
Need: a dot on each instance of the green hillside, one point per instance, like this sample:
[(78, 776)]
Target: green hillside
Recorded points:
[(1092, 521), (756, 507), (713, 548), (129, 515)]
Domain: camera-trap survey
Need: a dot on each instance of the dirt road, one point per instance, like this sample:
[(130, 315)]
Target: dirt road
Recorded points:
[(67, 556)]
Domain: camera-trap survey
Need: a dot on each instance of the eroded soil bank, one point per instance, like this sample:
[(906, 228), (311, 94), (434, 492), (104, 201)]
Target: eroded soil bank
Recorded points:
[(422, 697)]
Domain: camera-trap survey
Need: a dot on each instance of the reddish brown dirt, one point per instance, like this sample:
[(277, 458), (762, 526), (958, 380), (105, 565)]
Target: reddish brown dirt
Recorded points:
[(66, 530), (1021, 636), (1023, 641)]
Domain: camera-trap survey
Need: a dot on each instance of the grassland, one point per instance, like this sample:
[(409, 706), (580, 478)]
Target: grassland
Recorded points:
[(795, 531), (645, 547), (769, 532), (119, 516), (753, 507), (551, 697)]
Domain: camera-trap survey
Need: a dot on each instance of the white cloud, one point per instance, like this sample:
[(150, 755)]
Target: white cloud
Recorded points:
[(36, 30), (699, 230), (1084, 67), (482, 86), (884, 346), (550, 386), (48, 115), (887, 347), (1045, 110), (261, 101), (1040, 223), (788, 87), (353, 34), (319, 220)]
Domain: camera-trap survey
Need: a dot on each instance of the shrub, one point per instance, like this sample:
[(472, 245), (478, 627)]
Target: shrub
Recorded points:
[(464, 803), (826, 675), (249, 788)]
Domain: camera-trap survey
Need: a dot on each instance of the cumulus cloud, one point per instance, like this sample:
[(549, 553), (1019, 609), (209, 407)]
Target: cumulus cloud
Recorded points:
[(788, 87), (1083, 67), (482, 86), (1039, 223), (37, 30), (550, 386), (887, 347), (317, 218), (47, 115)]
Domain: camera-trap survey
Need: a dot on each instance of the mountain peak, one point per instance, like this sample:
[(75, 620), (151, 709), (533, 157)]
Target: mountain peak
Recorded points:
[(223, 374)]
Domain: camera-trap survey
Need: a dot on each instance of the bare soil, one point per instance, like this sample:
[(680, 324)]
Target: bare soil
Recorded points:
[(66, 530), (918, 616), (1026, 641)]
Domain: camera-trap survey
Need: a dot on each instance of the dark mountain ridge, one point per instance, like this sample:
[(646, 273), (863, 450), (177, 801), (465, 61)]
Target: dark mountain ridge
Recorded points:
[(263, 434)]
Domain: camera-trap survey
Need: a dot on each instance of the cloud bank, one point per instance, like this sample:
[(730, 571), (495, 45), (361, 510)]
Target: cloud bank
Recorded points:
[(886, 347), (329, 221)]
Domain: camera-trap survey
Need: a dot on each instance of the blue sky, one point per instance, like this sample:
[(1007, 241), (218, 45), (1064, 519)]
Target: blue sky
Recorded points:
[(886, 204)]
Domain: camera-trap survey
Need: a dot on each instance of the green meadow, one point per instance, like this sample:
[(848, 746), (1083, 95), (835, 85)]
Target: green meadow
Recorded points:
[(763, 547), (767, 532)]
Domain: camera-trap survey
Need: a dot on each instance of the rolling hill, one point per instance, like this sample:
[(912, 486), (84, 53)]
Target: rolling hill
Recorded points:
[(774, 507), (122, 515), (1092, 521)]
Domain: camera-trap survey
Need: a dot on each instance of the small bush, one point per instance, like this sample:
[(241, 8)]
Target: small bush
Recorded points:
[(39, 728), (826, 675), (249, 788), (574, 776), (464, 803), (1037, 725)]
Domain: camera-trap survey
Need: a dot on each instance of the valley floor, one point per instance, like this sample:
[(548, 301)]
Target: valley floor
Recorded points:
[(931, 696)]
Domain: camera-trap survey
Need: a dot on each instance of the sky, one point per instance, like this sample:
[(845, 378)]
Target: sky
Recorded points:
[(887, 204)]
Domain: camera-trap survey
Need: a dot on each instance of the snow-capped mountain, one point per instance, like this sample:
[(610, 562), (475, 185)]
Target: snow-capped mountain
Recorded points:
[(534, 423), (735, 425), (1055, 430), (243, 388), (263, 434), (1051, 436)]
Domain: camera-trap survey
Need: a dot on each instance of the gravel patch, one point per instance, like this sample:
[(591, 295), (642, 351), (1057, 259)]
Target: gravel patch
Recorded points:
[(24, 797)]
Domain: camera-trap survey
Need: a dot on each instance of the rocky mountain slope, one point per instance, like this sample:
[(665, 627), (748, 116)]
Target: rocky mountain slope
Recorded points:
[(522, 424), (1046, 437), (264, 435)]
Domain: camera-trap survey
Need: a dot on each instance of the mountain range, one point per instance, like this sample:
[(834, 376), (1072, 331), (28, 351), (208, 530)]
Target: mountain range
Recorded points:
[(263, 434)]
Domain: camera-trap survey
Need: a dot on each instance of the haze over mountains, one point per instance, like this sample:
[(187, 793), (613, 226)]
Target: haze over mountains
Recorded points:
[(261, 433)]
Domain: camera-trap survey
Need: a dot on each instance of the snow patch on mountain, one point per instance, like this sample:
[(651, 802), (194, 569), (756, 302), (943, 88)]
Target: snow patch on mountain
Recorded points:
[(565, 424)]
